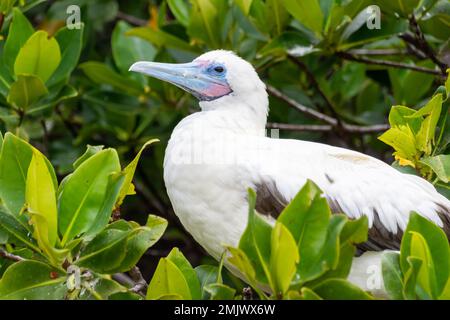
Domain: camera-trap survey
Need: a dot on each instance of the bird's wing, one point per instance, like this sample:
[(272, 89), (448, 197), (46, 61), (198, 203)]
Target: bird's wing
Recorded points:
[(353, 183)]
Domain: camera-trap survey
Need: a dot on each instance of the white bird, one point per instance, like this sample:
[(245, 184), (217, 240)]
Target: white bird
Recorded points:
[(215, 155)]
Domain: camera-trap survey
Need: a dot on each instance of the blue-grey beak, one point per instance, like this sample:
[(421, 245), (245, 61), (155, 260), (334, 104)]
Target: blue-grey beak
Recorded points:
[(192, 77)]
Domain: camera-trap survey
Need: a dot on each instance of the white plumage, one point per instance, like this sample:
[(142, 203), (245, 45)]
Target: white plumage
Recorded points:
[(213, 156)]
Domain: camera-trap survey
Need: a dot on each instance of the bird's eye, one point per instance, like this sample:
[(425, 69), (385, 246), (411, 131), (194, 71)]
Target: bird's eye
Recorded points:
[(218, 69)]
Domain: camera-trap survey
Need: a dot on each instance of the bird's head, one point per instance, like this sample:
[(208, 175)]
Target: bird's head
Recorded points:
[(212, 77)]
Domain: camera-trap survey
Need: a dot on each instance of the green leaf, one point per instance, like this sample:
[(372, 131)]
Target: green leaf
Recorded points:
[(219, 291), (410, 278), (440, 165), (308, 12), (90, 151), (161, 39), (20, 231), (129, 174), (438, 264), (255, 241), (40, 196), (115, 183), (126, 49), (81, 196), (32, 280), (15, 159), (307, 218), (168, 281), (402, 140), (425, 278), (431, 111), (105, 252), (70, 42), (40, 56), (185, 267), (26, 90), (340, 289), (205, 21), (206, 274), (180, 10), (102, 74), (283, 259), (140, 239), (244, 5), (392, 275), (20, 30)]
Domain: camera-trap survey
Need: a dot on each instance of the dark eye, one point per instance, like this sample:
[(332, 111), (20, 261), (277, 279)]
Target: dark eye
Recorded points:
[(218, 69)]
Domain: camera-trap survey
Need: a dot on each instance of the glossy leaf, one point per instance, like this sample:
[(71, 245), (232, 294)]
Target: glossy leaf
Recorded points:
[(180, 10), (283, 259), (40, 56), (308, 12), (169, 281), (255, 241), (20, 30), (28, 280), (339, 289), (440, 165), (70, 42), (220, 291), (127, 49), (129, 174), (40, 196), (392, 275), (438, 264), (307, 218), (26, 90), (185, 267), (81, 196), (160, 38)]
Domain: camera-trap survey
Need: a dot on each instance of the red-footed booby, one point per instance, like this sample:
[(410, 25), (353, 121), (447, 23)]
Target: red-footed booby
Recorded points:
[(215, 155)]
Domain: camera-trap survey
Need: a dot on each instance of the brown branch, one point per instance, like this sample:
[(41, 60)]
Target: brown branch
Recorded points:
[(6, 255), (140, 283), (387, 63), (298, 106), (377, 52), (131, 19), (326, 128), (421, 43), (315, 84)]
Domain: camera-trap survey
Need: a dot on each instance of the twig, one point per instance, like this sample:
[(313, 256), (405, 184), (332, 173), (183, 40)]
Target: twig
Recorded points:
[(377, 52), (387, 63), (326, 128), (5, 254), (308, 111), (421, 43), (140, 283), (315, 84), (131, 19)]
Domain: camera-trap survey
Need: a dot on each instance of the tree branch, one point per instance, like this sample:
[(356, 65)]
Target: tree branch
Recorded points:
[(131, 19), (6, 255), (387, 63), (326, 128), (421, 43), (315, 84), (377, 52), (298, 106), (140, 283)]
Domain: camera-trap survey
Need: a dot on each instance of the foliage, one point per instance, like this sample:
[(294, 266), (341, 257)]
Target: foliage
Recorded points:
[(60, 234), (62, 89), (306, 253), (421, 269)]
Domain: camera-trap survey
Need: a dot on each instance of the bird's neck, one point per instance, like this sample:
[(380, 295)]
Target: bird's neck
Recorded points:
[(247, 116)]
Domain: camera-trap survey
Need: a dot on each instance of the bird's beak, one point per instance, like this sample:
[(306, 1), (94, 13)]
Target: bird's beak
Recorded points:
[(191, 77)]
